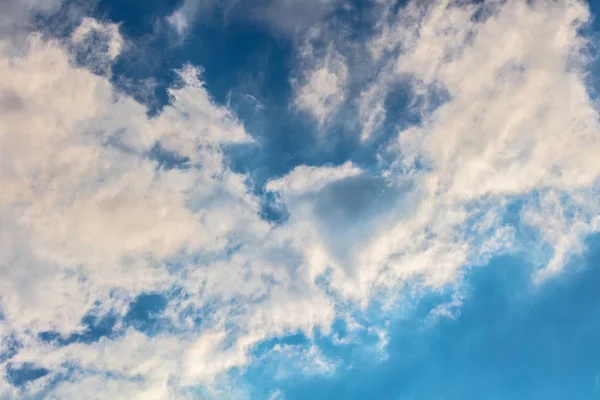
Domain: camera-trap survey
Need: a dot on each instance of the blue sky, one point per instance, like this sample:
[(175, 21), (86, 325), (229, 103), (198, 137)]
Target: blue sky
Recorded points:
[(507, 343), (284, 199)]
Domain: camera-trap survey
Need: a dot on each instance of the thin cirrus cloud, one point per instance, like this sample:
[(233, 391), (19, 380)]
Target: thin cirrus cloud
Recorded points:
[(92, 219)]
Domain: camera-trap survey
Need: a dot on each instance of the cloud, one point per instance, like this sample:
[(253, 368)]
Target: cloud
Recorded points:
[(283, 16), (512, 124), (108, 32), (102, 204), (276, 395), (93, 218), (304, 179), (532, 126), (322, 90), (90, 219), (17, 15), (309, 360)]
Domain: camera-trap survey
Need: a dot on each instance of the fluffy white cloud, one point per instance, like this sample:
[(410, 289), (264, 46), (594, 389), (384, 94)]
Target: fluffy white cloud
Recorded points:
[(304, 179), (91, 216), (517, 123), (518, 120), (81, 189), (87, 214)]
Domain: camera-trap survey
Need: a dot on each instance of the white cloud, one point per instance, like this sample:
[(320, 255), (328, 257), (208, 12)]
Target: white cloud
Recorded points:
[(187, 13), (210, 356), (323, 88), (304, 179), (518, 120), (90, 218), (110, 31), (17, 15), (562, 221)]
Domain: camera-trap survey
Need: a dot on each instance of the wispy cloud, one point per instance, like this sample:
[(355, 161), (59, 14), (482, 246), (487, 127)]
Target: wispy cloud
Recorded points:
[(323, 88)]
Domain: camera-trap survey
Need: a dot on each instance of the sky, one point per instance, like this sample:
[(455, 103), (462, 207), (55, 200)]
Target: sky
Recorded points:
[(286, 199)]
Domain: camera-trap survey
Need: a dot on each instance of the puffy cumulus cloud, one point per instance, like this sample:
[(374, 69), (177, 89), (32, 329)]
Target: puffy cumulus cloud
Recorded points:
[(82, 190), (532, 124), (515, 124), (102, 205), (518, 121), (92, 216)]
